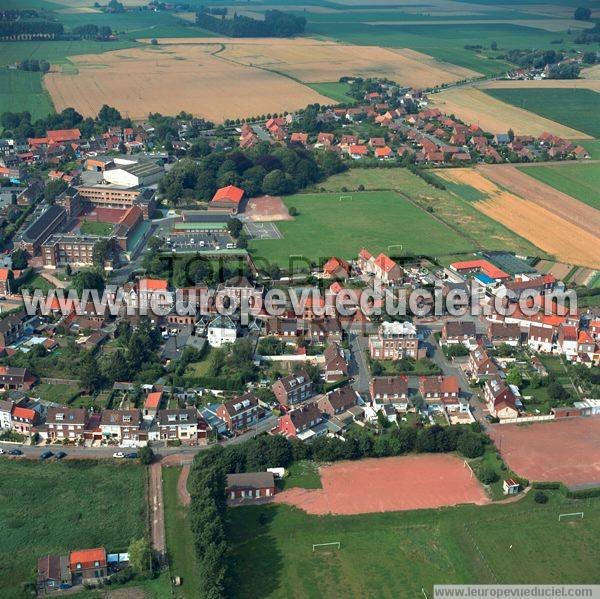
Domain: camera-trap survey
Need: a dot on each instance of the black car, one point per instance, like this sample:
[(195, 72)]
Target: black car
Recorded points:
[(59, 455), (15, 452), (131, 456), (46, 455)]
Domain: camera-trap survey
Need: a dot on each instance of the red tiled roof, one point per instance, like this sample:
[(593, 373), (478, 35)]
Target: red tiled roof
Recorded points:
[(154, 284), (153, 400), (585, 337), (386, 264), (4, 272), (365, 254), (231, 193), (132, 216), (60, 135), (483, 265), (26, 413), (359, 150), (333, 264), (87, 557)]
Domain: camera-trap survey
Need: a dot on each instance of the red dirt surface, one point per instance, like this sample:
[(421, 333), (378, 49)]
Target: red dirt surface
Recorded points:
[(389, 484), (104, 215), (562, 450), (266, 208)]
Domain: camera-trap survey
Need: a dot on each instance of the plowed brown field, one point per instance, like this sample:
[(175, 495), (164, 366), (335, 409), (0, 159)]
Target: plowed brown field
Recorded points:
[(554, 234)]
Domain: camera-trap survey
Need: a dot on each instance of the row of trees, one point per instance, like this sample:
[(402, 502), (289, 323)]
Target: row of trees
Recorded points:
[(263, 169), (32, 64), (30, 29), (91, 31), (276, 23), (208, 477)]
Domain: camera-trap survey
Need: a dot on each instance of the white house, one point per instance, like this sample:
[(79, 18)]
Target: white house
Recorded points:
[(540, 338), (5, 411), (221, 330)]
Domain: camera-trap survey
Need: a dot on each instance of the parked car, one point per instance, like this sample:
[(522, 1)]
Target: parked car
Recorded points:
[(1, 451), (118, 454), (60, 455), (15, 452), (45, 455), (132, 455)]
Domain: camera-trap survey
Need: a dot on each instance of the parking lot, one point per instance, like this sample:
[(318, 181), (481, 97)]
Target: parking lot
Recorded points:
[(257, 230), (197, 242)]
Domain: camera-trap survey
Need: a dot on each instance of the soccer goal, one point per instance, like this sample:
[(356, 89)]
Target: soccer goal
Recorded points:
[(319, 545), (346, 198), (572, 515), (467, 465)]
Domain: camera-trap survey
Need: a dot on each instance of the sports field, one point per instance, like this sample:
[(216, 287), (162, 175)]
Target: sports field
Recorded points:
[(402, 554), (334, 224), (564, 450), (453, 208), (579, 180), (387, 484), (58, 507), (572, 107), (489, 109)]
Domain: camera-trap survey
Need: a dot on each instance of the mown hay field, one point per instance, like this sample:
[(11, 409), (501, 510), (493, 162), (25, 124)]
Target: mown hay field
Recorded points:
[(552, 233), (169, 79), (317, 61), (475, 106)]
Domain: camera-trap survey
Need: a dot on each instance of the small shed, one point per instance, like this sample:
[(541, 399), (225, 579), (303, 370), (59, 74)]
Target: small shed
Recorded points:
[(511, 486)]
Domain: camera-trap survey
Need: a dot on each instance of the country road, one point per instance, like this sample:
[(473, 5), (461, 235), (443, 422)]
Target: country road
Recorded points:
[(157, 513)]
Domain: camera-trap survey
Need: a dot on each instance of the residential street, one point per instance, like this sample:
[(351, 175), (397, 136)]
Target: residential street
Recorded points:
[(359, 368)]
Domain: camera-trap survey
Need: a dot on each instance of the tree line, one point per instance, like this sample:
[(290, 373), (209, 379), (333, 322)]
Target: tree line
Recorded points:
[(276, 23), (208, 476), (262, 169), (15, 30)]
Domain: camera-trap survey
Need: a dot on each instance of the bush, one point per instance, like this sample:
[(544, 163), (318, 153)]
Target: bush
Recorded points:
[(540, 497), (487, 475), (470, 445)]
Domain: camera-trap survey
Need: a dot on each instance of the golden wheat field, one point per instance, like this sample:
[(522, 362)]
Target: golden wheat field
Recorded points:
[(542, 227), (474, 106), (169, 79)]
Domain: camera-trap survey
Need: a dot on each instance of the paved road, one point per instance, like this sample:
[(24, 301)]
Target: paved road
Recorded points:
[(359, 368)]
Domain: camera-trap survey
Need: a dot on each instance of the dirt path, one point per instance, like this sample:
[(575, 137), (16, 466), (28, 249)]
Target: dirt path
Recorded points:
[(157, 515), (182, 491), (52, 279)]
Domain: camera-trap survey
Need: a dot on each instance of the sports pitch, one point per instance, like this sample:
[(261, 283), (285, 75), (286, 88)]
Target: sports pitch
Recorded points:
[(402, 553), (334, 224)]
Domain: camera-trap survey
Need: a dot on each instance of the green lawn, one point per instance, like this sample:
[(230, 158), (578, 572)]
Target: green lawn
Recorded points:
[(328, 227), (89, 227), (453, 206), (55, 393), (304, 474), (57, 507), (401, 553), (180, 544), (591, 145), (579, 180), (21, 91), (335, 90), (572, 107), (38, 282)]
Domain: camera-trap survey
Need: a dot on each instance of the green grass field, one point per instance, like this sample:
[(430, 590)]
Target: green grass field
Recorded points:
[(328, 227), (572, 107), (55, 393), (579, 180), (57, 507), (455, 209), (180, 546), (592, 146), (335, 90), (303, 474), (23, 90), (401, 553), (90, 227)]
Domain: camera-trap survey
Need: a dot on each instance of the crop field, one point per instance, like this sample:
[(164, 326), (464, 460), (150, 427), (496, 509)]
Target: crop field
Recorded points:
[(579, 180), (142, 80), (489, 112), (335, 90), (22, 90), (521, 542), (561, 238), (516, 181), (60, 506), (454, 206), (328, 227), (582, 83), (572, 107)]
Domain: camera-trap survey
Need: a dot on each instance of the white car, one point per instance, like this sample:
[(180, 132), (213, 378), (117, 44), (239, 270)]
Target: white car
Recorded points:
[(118, 454), (1, 451)]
